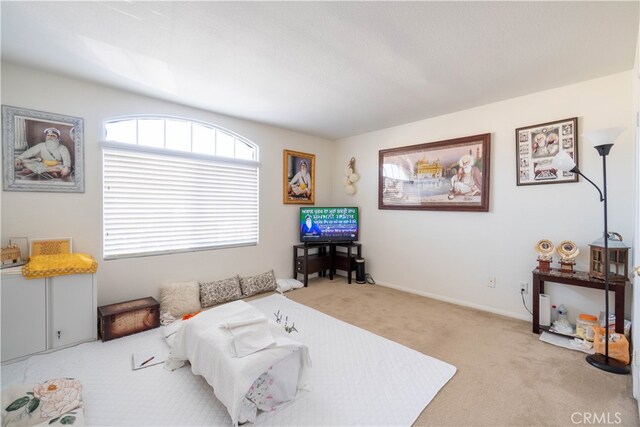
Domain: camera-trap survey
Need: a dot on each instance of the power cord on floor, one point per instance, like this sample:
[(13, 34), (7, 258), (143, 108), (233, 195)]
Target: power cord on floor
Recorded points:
[(369, 279), (523, 303)]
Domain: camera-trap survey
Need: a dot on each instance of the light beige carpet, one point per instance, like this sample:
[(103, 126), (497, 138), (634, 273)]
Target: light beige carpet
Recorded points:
[(506, 375)]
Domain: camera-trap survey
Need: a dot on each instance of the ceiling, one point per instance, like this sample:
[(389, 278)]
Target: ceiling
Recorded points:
[(331, 69)]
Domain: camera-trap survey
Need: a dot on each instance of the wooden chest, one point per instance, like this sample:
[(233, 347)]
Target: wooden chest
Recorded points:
[(129, 317)]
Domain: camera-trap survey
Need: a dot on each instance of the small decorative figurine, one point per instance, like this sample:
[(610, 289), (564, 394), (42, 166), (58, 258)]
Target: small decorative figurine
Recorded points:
[(11, 256), (351, 177), (568, 251), (545, 249)]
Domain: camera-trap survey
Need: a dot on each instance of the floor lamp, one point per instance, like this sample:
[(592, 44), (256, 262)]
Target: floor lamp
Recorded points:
[(602, 141)]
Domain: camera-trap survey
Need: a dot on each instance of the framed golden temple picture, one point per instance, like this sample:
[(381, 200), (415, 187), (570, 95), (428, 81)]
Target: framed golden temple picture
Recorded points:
[(451, 175)]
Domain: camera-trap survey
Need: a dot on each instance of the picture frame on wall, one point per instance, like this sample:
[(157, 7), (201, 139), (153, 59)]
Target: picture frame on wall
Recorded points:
[(42, 151), (537, 145), (299, 178), (450, 175)]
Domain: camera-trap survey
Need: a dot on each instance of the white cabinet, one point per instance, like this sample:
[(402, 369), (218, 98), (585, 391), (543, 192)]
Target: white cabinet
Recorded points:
[(40, 315), (24, 314), (73, 309)]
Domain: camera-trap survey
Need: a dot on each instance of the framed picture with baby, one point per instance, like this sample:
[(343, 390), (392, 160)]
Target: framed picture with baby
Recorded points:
[(537, 145), (42, 151), (299, 178)]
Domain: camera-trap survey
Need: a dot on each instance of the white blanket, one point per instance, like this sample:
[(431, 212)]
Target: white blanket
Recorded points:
[(209, 349), (358, 379), (250, 330)]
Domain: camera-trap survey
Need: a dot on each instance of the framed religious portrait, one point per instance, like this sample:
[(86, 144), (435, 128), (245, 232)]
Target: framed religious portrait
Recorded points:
[(42, 151), (299, 178), (451, 175), (537, 145)]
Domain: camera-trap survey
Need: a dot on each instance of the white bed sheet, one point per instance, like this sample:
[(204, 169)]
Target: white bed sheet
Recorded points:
[(212, 352), (357, 378)]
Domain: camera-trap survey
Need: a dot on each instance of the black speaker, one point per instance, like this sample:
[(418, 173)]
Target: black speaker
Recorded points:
[(360, 274)]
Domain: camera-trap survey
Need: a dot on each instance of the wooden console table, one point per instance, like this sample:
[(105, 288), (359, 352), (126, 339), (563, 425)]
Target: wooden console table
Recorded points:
[(577, 278)]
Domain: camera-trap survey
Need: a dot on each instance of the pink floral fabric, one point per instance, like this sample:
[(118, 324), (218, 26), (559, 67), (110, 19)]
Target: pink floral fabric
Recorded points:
[(52, 403), (58, 396)]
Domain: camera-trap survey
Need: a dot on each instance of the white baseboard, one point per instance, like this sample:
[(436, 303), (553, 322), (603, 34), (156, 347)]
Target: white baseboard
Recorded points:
[(519, 316)]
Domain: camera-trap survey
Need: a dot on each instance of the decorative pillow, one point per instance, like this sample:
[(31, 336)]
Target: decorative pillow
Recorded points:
[(285, 285), (264, 282), (219, 291), (180, 298)]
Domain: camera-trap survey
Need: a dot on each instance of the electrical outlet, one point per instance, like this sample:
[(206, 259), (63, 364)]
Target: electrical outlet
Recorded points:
[(492, 282), (524, 287)]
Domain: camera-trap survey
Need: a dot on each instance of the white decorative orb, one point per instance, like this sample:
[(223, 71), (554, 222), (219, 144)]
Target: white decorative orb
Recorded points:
[(349, 171), (354, 177), (350, 189), (346, 180)]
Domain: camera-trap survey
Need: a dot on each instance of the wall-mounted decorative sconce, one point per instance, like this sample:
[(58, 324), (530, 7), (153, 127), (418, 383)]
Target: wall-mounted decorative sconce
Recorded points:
[(351, 177)]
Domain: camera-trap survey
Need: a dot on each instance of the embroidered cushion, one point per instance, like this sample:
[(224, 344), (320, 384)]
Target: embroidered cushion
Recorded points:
[(219, 291), (180, 298), (259, 283), (59, 264)]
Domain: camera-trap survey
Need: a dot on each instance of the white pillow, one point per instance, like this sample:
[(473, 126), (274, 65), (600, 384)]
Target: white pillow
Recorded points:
[(180, 298), (284, 285)]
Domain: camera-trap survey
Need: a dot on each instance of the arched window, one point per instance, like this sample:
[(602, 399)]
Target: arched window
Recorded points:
[(174, 185)]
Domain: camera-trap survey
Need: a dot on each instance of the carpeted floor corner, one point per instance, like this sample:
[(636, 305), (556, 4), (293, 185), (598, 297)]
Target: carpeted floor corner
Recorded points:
[(506, 375)]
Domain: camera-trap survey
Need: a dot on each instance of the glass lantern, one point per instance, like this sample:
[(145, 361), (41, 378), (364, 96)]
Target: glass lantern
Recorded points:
[(618, 259)]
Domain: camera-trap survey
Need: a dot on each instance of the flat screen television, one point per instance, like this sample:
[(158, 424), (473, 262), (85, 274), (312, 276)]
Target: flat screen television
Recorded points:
[(319, 224)]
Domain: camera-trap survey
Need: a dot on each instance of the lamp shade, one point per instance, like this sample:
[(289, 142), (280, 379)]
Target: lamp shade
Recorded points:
[(603, 136), (563, 161)]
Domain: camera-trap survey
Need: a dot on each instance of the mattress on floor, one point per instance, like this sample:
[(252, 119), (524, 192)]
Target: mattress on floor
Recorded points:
[(357, 378)]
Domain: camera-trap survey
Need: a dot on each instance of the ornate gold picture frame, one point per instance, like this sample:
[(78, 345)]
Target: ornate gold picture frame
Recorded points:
[(299, 178)]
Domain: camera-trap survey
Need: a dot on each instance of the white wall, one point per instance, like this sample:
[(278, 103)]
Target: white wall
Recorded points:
[(446, 255), (451, 255), (80, 215)]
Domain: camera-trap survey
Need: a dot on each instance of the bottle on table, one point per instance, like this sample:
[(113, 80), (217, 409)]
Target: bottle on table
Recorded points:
[(562, 312)]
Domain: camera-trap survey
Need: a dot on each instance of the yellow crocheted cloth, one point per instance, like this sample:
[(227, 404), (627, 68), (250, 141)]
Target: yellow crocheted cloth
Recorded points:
[(59, 265)]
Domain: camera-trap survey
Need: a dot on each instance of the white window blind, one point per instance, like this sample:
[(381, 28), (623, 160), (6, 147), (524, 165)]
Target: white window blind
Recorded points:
[(156, 202)]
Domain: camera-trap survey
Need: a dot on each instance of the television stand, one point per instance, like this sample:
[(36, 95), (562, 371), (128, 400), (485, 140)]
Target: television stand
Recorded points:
[(345, 261), (309, 263), (322, 257)]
